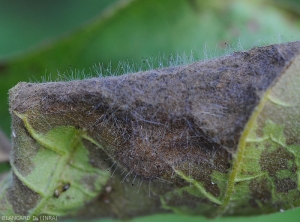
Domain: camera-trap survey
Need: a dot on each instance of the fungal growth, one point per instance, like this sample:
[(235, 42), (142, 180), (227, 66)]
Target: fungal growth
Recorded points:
[(197, 137)]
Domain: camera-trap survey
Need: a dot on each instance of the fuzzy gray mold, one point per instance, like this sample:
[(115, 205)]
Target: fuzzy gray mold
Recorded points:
[(151, 124), (163, 116)]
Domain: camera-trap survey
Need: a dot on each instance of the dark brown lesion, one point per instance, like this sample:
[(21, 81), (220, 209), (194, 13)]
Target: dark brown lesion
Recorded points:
[(284, 185), (260, 191), (20, 205), (276, 160), (272, 162), (183, 200)]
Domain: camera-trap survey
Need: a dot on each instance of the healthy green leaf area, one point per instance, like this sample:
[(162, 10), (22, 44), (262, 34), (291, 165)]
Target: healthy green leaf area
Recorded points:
[(61, 176)]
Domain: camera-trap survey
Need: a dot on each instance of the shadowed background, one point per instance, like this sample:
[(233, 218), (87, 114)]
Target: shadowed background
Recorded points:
[(44, 38)]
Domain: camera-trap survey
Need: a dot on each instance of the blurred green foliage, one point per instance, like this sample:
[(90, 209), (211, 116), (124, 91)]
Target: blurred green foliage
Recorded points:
[(39, 38)]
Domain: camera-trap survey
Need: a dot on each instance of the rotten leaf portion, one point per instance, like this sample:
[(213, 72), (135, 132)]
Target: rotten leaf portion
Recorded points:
[(197, 138), (267, 167)]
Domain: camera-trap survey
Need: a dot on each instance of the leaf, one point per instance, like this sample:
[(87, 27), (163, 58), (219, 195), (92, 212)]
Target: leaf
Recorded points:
[(56, 179), (197, 140), (273, 22)]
